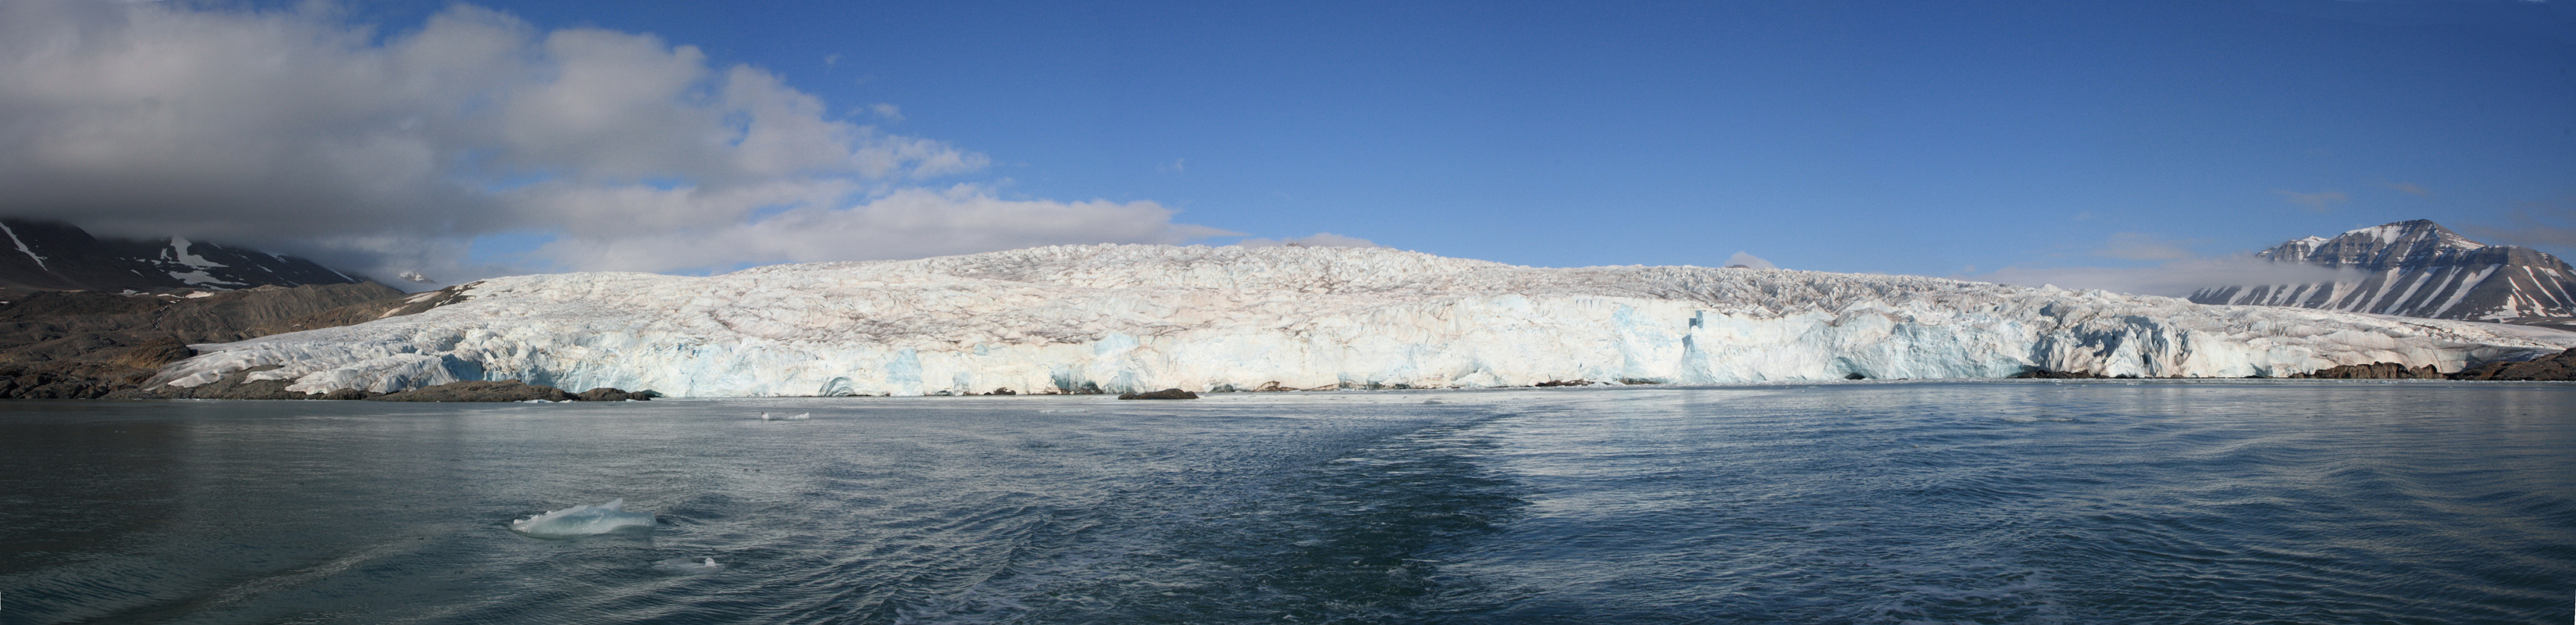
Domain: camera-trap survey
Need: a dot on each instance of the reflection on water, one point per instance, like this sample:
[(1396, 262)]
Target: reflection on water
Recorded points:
[(1870, 502)]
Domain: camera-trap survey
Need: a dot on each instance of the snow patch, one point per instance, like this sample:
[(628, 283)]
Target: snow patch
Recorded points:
[(22, 247), (179, 248)]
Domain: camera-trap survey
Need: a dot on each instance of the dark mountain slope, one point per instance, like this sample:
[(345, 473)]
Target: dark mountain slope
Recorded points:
[(2418, 269)]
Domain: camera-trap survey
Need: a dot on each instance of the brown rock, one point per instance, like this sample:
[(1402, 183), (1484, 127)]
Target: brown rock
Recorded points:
[(603, 393), (2373, 371), (154, 353), (479, 391), (2558, 368), (2044, 374), (1169, 393)]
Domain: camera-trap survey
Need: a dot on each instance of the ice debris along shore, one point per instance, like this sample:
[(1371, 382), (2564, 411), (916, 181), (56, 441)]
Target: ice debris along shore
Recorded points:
[(578, 521), (1124, 318)]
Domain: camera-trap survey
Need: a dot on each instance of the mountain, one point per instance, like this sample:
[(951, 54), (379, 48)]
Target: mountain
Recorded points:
[(2417, 269), (1114, 318), (44, 256)]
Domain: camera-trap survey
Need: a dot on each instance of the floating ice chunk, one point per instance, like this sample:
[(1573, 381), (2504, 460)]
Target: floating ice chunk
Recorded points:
[(687, 566), (799, 417), (579, 521), (765, 417)]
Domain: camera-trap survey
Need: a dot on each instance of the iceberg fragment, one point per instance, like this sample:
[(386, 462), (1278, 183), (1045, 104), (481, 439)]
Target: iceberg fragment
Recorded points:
[(578, 521)]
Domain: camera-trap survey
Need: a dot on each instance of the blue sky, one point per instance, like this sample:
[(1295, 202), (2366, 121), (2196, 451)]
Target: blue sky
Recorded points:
[(1945, 139)]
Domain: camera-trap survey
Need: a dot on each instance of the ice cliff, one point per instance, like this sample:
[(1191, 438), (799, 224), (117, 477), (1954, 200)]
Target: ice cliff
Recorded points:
[(1138, 317)]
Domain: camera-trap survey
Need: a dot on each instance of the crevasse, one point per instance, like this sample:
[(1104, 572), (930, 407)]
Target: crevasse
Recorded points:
[(1118, 318)]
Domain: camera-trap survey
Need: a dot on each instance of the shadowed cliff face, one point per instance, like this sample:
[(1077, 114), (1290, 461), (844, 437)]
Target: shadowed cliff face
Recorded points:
[(2418, 269)]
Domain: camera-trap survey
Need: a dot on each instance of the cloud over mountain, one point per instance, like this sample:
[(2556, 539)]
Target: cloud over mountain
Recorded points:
[(299, 130)]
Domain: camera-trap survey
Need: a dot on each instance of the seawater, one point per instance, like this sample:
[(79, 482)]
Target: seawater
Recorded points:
[(2000, 502)]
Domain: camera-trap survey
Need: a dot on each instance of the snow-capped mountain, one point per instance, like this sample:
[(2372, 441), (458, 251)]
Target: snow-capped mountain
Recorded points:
[(2417, 269), (42, 256), (1135, 317)]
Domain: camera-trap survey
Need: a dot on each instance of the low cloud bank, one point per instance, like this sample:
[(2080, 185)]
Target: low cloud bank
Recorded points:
[(2176, 278)]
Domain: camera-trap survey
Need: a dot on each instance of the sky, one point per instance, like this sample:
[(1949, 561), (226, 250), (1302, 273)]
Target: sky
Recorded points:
[(2141, 146)]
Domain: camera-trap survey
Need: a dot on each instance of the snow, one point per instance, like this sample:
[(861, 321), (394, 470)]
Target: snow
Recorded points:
[(580, 521), (22, 247), (179, 247), (1119, 318)]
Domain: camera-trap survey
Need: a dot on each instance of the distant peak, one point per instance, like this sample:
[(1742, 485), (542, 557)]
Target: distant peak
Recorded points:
[(2419, 230)]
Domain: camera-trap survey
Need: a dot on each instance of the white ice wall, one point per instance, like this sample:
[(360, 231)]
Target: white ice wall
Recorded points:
[(1148, 317)]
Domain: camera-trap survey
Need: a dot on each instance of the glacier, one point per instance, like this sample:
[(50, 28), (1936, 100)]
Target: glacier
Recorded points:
[(1119, 318)]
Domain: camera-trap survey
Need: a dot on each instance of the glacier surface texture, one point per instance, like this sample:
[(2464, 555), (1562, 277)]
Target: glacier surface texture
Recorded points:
[(1115, 318)]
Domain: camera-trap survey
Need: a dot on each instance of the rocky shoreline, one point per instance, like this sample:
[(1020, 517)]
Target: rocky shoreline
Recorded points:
[(2556, 368)]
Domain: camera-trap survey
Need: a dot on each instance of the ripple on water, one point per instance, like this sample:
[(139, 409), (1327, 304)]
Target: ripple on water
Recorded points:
[(1967, 503)]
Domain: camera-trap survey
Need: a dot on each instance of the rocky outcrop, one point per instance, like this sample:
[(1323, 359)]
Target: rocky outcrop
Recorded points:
[(1169, 393), (88, 344), (68, 325), (67, 380), (155, 353), (610, 394), (2372, 371), (2044, 374), (479, 391), (2558, 368)]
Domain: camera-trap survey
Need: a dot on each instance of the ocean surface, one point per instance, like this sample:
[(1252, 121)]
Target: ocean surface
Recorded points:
[(1923, 502)]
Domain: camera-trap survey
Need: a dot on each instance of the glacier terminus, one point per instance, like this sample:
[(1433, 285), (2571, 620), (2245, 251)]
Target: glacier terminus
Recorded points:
[(1117, 318)]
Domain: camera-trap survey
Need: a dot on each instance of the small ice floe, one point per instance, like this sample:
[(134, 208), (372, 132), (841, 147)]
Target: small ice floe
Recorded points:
[(580, 521), (794, 417), (687, 566), (1062, 410)]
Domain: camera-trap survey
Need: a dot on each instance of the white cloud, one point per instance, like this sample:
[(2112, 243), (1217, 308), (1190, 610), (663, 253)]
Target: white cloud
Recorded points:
[(1749, 260), (1319, 239), (296, 130)]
